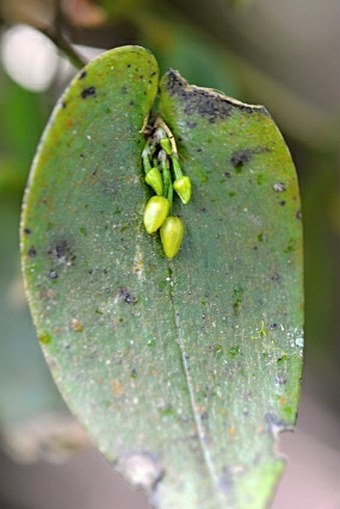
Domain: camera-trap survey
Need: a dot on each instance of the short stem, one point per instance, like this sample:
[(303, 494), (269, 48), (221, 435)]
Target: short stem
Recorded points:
[(148, 152), (167, 184), (170, 194), (176, 166), (145, 158), (160, 123)]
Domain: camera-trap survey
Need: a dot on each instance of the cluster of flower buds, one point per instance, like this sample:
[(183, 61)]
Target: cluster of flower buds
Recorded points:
[(164, 175)]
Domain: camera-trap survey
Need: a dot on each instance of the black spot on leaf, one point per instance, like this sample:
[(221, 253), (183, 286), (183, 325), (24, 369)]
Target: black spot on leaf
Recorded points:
[(238, 159), (32, 252), (88, 92), (62, 253), (126, 296)]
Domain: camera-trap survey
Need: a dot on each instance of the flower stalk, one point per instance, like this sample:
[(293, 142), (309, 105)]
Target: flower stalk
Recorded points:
[(163, 173)]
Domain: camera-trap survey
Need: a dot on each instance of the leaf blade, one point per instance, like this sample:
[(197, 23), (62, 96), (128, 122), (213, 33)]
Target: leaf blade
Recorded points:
[(245, 249), (132, 338)]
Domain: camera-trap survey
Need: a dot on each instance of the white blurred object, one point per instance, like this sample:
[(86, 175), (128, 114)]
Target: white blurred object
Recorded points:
[(29, 57)]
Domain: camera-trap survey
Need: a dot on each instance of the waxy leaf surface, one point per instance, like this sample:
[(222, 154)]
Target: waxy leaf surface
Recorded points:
[(182, 371)]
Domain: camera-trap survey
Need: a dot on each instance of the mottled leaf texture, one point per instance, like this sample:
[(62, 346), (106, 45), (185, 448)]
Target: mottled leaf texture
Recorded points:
[(182, 371)]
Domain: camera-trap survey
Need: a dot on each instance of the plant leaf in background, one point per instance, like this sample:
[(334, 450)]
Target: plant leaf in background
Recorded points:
[(183, 372), (34, 421)]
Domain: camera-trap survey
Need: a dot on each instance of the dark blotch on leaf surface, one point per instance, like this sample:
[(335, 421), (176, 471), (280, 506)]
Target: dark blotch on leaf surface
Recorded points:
[(275, 276), (52, 274), (204, 102), (82, 75), (87, 92), (32, 252), (238, 159), (191, 125), (127, 297), (62, 253), (197, 100)]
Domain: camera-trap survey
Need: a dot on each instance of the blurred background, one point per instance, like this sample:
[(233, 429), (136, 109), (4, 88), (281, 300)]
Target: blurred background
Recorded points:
[(284, 55)]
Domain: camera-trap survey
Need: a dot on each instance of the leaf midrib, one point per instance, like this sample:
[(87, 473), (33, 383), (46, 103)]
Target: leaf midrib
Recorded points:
[(186, 371)]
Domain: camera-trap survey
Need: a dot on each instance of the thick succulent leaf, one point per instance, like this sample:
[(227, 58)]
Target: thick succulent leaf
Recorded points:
[(182, 371)]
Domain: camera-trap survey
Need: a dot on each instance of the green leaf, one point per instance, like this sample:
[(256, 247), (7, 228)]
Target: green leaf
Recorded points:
[(184, 371)]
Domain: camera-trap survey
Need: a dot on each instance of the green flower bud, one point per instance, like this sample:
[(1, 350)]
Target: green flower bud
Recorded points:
[(182, 186), (155, 213), (172, 232), (166, 146), (154, 179)]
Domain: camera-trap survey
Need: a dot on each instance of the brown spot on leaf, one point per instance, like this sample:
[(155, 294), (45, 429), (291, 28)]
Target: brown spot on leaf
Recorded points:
[(117, 388), (76, 325)]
